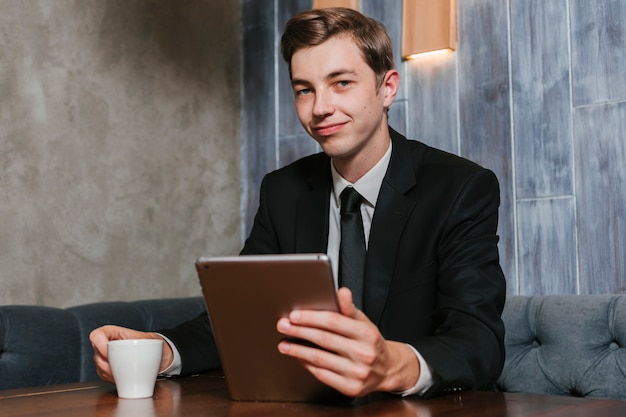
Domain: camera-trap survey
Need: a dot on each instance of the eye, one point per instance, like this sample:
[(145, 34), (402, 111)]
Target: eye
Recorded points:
[(344, 83), (303, 92)]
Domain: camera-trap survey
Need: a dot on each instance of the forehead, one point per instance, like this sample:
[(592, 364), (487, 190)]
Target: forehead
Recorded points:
[(337, 54)]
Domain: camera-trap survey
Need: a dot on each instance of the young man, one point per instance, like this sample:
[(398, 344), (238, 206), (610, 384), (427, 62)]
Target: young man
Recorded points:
[(430, 300)]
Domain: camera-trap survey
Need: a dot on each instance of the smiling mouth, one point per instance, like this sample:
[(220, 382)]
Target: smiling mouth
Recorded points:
[(328, 130)]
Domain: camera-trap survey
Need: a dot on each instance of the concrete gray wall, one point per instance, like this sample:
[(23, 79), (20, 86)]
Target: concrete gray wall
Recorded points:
[(535, 91), (119, 147)]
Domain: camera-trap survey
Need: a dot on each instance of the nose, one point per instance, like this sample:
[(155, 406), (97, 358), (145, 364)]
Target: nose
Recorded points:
[(323, 105)]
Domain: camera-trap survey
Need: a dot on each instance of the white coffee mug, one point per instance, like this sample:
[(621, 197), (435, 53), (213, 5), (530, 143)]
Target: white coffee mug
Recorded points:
[(135, 365)]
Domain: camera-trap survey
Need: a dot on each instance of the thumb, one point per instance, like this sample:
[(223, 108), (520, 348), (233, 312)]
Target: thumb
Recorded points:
[(346, 306)]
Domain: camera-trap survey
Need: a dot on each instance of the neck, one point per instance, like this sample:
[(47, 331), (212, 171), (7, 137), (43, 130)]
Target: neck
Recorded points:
[(353, 167)]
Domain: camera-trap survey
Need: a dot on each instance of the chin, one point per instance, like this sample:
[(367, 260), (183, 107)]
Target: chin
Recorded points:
[(331, 151), (330, 145)]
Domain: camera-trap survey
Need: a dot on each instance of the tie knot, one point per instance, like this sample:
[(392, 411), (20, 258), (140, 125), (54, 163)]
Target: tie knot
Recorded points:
[(350, 200)]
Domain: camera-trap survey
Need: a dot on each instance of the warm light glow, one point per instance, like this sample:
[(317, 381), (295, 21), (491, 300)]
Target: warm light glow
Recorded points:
[(427, 26), (322, 4), (428, 54)]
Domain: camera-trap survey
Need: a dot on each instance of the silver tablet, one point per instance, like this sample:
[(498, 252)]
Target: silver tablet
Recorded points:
[(245, 297)]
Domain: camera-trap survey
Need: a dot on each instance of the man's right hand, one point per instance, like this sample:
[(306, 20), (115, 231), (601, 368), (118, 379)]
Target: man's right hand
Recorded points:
[(100, 337)]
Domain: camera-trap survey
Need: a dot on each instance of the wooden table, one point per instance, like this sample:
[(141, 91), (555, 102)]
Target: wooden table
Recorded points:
[(206, 395)]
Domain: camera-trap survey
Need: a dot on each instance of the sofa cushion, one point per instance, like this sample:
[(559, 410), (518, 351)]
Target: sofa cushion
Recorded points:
[(44, 345), (565, 345), (38, 346)]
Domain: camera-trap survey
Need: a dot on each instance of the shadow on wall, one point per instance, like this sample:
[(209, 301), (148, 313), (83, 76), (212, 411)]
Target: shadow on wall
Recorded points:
[(185, 34)]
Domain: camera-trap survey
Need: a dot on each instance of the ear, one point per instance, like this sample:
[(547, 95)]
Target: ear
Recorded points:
[(389, 87)]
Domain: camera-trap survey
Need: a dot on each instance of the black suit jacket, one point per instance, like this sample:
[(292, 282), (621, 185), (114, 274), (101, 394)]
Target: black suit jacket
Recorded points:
[(433, 278)]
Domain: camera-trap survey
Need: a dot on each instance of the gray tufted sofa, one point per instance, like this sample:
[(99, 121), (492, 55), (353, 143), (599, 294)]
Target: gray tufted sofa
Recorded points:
[(46, 346), (560, 345), (565, 345)]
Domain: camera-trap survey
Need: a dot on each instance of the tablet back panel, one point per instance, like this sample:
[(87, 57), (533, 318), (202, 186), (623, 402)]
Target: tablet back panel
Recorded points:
[(245, 297)]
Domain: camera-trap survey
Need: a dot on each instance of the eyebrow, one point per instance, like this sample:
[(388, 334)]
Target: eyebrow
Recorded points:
[(332, 75)]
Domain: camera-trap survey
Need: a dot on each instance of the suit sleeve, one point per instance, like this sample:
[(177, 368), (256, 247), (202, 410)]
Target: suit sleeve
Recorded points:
[(262, 238), (466, 350), (196, 345)]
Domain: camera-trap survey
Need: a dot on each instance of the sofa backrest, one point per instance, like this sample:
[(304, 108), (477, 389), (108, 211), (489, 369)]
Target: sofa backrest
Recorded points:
[(561, 344), (38, 346), (45, 346), (565, 345)]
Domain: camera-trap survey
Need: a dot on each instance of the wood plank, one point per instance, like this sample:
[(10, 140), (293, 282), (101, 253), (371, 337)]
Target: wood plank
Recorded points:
[(484, 110), (288, 123), (389, 13), (541, 98), (294, 147), (433, 100), (601, 197), (598, 32), (397, 116), (258, 131), (547, 246)]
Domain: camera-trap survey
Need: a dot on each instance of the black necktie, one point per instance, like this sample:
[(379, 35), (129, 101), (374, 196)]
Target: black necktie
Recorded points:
[(352, 246)]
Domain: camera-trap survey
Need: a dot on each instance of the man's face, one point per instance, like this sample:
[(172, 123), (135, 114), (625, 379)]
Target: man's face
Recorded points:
[(338, 102)]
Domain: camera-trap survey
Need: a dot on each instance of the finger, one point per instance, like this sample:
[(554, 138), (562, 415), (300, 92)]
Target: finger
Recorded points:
[(101, 336), (324, 340), (328, 321), (346, 305), (313, 356), (103, 369), (334, 371), (99, 339), (348, 386)]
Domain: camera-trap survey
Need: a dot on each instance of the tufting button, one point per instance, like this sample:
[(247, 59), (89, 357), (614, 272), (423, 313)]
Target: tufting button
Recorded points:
[(614, 346), (575, 393)]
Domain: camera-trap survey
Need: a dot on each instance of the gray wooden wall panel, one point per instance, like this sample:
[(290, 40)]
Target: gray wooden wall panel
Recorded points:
[(598, 30), (601, 186), (288, 123), (433, 103), (294, 147), (389, 13), (547, 246), (258, 112), (484, 111), (398, 116), (541, 98), (549, 123)]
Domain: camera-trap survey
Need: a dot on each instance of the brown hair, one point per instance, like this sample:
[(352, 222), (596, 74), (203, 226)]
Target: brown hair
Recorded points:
[(314, 27)]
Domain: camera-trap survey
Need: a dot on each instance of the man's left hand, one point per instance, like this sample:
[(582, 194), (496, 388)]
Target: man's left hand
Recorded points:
[(355, 359)]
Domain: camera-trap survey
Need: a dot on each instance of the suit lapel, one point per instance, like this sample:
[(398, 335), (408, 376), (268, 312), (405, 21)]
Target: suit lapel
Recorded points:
[(390, 217), (311, 235)]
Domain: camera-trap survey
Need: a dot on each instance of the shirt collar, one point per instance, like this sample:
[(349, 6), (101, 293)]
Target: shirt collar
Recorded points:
[(368, 185)]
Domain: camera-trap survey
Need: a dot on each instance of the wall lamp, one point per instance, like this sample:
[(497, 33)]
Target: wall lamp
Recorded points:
[(428, 26)]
